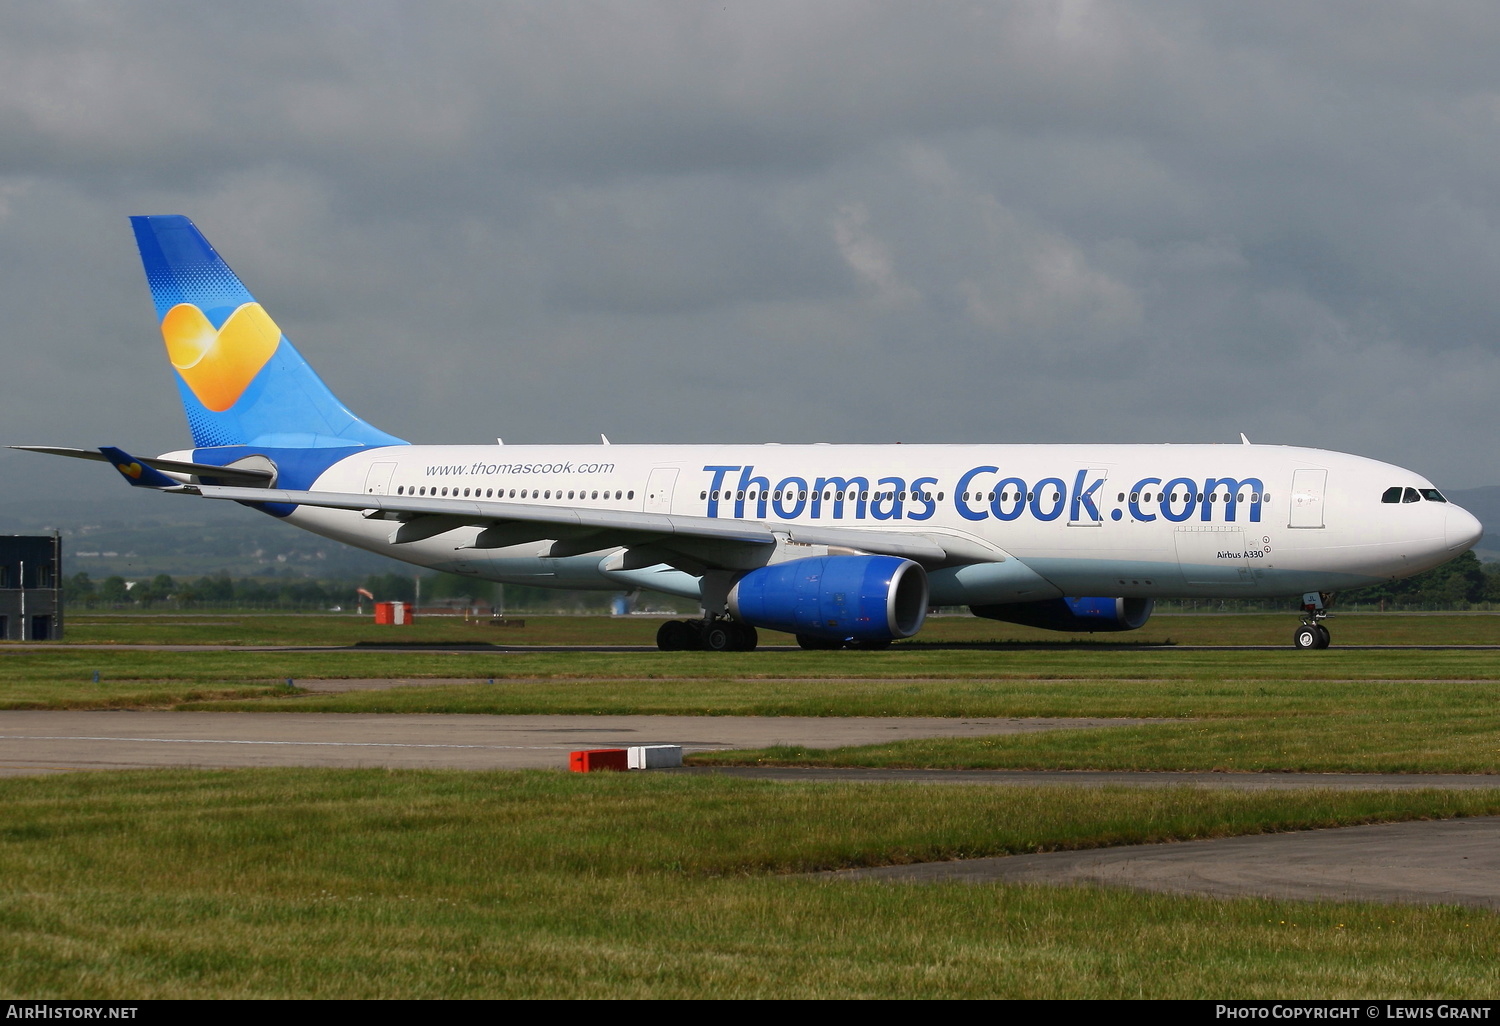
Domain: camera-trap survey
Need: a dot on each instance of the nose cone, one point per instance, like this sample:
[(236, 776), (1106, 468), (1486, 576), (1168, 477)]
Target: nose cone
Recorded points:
[(1462, 529)]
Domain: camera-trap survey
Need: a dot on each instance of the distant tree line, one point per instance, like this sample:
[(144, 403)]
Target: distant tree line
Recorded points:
[(305, 594), (1462, 583), (1459, 584), (209, 592)]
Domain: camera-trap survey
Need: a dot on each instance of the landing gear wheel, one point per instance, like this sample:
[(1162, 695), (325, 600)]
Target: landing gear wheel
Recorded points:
[(1323, 636), (1308, 636), (749, 637), (676, 636), (718, 636), (816, 644)]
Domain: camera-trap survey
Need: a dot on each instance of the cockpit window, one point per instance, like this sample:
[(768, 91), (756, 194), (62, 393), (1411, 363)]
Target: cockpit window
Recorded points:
[(1391, 494), (1433, 495), (1410, 495)]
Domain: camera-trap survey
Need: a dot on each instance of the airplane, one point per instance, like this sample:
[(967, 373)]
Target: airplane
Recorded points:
[(839, 545)]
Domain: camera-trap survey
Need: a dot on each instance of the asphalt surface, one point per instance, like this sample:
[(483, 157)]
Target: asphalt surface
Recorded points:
[(45, 741), (1450, 862)]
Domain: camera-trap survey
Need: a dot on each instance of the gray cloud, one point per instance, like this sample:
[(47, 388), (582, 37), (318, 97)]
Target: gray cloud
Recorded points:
[(672, 221)]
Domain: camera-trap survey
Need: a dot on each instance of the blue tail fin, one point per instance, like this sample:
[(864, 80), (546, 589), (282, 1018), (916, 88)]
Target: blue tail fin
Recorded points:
[(242, 382)]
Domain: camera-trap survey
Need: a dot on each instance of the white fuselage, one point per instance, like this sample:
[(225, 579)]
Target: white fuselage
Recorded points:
[(1115, 520)]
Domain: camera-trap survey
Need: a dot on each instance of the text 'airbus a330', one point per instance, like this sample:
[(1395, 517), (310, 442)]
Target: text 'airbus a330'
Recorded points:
[(841, 545)]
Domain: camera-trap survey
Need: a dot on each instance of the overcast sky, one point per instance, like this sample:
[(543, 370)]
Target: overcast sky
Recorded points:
[(1038, 222)]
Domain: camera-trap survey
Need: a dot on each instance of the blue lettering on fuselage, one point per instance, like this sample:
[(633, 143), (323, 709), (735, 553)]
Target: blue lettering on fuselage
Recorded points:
[(981, 493)]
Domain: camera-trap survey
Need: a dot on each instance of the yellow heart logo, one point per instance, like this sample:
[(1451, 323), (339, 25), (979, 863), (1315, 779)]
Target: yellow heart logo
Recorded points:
[(219, 365), (131, 470)]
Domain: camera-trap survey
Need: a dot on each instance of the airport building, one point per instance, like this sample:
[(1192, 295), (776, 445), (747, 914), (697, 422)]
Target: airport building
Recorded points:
[(31, 602)]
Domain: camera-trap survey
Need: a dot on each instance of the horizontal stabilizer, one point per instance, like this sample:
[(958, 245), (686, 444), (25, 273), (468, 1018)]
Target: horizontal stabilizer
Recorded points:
[(138, 474), (247, 477)]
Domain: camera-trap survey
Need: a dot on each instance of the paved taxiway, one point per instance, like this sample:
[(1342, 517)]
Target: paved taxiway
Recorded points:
[(1451, 862), (44, 741)]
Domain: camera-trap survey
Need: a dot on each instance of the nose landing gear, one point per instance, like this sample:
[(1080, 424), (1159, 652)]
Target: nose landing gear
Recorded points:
[(1312, 633)]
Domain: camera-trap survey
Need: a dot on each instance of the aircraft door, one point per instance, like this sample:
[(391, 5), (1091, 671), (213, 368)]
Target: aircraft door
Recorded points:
[(378, 480), (1307, 498), (1213, 555), (659, 489)]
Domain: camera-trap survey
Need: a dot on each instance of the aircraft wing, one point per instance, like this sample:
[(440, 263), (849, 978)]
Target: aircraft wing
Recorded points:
[(705, 541)]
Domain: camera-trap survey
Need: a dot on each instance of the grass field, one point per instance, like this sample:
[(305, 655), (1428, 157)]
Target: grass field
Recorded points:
[(1397, 710), (294, 883), (347, 629), (370, 884)]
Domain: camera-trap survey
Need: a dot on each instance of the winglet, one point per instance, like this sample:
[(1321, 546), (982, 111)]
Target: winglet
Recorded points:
[(138, 473)]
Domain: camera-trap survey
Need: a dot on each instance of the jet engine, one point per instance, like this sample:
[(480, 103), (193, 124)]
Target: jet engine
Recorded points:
[(1074, 614), (838, 598)]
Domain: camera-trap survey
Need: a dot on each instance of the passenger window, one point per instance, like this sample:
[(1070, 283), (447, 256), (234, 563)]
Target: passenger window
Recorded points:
[(1410, 495)]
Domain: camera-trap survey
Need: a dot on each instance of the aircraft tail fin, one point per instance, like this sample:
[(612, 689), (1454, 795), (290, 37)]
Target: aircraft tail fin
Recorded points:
[(242, 382)]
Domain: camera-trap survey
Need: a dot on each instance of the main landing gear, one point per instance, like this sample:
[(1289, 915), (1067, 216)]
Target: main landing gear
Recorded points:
[(715, 634), (1312, 633)]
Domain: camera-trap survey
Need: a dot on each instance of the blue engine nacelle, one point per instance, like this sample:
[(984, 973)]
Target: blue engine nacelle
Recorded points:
[(1074, 614), (841, 598)]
